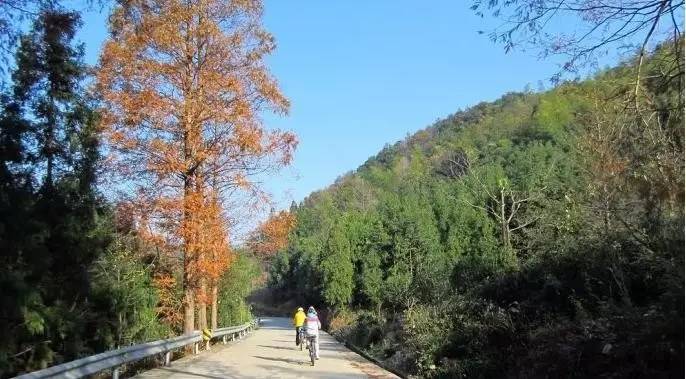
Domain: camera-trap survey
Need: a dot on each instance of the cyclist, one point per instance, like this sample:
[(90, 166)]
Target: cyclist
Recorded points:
[(312, 326), (298, 321)]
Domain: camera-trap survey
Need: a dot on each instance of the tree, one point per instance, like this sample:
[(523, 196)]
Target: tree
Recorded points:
[(50, 152), (271, 236), (600, 27), (337, 268), (47, 85), (183, 82), (12, 13), (123, 291), (216, 258), (504, 200), (236, 283), (369, 242)]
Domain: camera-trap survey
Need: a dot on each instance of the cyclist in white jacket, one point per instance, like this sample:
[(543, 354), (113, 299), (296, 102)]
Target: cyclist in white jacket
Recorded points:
[(312, 326)]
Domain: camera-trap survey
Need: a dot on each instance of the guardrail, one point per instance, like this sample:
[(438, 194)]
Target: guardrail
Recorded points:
[(113, 359)]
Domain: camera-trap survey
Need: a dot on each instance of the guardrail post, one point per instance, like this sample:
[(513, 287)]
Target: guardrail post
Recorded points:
[(167, 358), (224, 340), (115, 373), (207, 345), (195, 348)]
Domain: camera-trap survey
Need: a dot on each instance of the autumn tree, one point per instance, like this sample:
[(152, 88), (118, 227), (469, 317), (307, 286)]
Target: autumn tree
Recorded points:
[(272, 235), (216, 257), (183, 83)]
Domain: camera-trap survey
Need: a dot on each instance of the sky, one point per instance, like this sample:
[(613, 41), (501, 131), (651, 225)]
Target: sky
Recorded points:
[(361, 74)]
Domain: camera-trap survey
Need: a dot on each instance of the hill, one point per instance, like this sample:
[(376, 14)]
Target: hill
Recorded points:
[(538, 235)]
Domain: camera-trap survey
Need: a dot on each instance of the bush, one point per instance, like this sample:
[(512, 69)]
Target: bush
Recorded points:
[(234, 287), (342, 321), (601, 309)]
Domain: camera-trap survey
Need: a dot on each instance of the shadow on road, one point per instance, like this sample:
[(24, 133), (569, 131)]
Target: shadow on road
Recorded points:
[(310, 372), (285, 360), (192, 373), (278, 347)]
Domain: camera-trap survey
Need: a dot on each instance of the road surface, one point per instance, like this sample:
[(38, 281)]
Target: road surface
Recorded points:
[(270, 352)]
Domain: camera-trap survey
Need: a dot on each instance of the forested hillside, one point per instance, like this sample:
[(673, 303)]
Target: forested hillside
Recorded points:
[(539, 235)]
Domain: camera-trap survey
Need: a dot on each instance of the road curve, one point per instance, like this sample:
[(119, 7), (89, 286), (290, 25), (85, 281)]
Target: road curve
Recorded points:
[(270, 352)]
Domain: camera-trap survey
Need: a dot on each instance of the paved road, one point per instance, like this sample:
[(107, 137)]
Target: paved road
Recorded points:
[(270, 352)]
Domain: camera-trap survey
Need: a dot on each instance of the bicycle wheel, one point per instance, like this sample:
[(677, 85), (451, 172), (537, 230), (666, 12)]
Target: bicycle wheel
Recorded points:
[(312, 353)]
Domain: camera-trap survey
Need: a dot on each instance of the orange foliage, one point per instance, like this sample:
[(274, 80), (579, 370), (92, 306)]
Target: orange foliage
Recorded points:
[(272, 235), (168, 307), (183, 83), (216, 254)]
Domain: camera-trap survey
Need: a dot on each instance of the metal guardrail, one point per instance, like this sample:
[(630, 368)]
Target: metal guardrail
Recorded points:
[(113, 359)]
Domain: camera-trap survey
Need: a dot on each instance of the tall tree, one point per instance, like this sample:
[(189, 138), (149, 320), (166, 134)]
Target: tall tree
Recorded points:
[(217, 255), (49, 142), (47, 85), (337, 268), (183, 83)]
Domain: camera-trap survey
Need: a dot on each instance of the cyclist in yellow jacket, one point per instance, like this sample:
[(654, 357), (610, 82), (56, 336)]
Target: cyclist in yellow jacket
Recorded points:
[(298, 321)]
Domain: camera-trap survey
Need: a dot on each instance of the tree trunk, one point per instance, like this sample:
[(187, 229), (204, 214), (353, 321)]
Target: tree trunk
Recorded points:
[(188, 311), (202, 253), (188, 287), (504, 224), (213, 316), (202, 305), (49, 147)]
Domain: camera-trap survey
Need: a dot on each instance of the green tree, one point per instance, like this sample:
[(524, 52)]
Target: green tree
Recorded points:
[(125, 298), (49, 156), (337, 268), (235, 285)]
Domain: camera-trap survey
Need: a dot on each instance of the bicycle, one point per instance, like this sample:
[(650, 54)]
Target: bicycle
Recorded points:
[(311, 347), (301, 337)]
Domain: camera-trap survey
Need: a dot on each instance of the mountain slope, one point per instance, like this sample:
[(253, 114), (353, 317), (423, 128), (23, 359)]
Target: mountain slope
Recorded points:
[(537, 235)]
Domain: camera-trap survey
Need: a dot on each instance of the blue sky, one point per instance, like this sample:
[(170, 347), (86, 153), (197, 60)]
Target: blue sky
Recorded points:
[(361, 74)]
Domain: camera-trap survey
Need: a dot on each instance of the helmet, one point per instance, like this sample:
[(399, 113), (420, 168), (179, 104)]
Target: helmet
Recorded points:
[(311, 310), (300, 309)]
